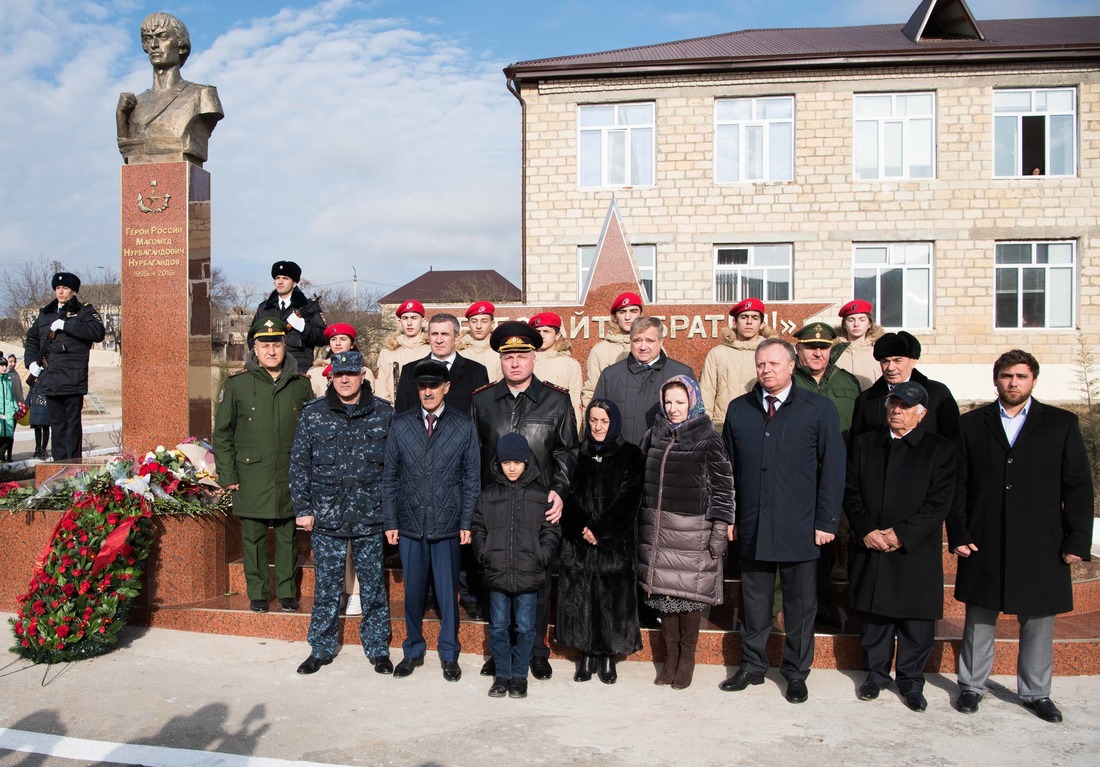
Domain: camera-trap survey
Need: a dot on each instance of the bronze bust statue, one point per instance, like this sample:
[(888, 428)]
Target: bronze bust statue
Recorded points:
[(173, 120)]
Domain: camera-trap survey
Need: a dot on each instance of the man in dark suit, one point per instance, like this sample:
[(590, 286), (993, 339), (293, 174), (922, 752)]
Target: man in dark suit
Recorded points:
[(466, 376), (1026, 516), (788, 465), (897, 355), (899, 491)]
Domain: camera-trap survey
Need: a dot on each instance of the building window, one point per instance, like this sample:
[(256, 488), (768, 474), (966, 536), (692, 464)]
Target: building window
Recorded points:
[(894, 135), (1034, 284), (897, 279), (754, 139), (1034, 132), (752, 271), (644, 255), (616, 145)]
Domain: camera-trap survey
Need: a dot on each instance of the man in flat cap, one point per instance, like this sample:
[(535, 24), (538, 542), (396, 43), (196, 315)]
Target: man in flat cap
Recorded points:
[(897, 355), (254, 425), (899, 490), (336, 483), (408, 344), (302, 317), (542, 413), (430, 485), (464, 375), (729, 369), (615, 345), (474, 341), (56, 352)]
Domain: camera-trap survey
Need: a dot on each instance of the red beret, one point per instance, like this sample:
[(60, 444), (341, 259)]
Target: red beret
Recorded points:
[(545, 319), (748, 305), (480, 307), (340, 329), (410, 306), (626, 299), (857, 307)]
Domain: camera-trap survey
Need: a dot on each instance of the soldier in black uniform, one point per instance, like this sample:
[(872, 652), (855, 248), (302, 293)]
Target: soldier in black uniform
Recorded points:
[(56, 352), (305, 323)]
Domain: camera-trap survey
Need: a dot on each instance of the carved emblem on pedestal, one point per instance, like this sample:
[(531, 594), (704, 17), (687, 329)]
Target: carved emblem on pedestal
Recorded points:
[(153, 198)]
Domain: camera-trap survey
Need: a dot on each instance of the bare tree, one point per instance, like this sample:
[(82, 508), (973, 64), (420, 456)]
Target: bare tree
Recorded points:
[(26, 286)]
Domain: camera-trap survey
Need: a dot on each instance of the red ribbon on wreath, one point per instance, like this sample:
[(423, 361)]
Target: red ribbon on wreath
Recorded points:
[(113, 543)]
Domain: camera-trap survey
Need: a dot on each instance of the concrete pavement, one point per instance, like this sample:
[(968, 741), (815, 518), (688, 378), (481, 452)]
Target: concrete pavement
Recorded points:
[(197, 699)]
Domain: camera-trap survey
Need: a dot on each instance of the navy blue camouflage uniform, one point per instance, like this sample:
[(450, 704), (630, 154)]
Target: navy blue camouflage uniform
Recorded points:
[(336, 477)]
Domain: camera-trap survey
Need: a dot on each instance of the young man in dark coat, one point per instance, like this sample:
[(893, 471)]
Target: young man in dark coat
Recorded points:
[(465, 376), (336, 482), (897, 355), (1025, 517), (898, 493), (56, 352), (788, 466), (430, 484), (303, 320)]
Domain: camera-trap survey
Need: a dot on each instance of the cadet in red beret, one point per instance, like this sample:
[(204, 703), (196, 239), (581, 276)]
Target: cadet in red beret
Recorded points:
[(474, 342), (730, 367), (554, 362), (854, 349), (615, 345), (409, 344)]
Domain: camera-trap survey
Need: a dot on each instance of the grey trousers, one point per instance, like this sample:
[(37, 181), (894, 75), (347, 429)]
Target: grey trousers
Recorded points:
[(1034, 663)]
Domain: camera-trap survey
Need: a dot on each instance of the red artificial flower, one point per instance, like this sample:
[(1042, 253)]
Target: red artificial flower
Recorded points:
[(62, 631), (39, 607), (69, 589), (88, 613), (112, 519), (18, 628), (84, 586)]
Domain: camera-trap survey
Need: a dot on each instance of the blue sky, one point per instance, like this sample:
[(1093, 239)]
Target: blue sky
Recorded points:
[(375, 134)]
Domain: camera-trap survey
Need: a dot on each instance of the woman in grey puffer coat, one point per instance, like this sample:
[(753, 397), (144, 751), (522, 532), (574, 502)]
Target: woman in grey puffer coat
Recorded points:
[(685, 523)]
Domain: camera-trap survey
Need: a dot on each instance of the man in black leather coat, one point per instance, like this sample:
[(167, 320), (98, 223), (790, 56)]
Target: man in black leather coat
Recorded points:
[(543, 413)]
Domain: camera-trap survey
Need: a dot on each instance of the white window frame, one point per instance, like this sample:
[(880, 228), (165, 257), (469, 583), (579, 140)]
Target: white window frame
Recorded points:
[(1036, 267), (757, 269), (897, 119), (1038, 98), (914, 274), (609, 133), (645, 256), (768, 127)]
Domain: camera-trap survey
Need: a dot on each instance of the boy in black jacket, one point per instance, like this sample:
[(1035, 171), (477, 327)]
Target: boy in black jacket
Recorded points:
[(514, 544)]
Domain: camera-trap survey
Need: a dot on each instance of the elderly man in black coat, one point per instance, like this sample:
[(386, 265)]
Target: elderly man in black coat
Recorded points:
[(897, 355), (788, 466), (1026, 516), (898, 493)]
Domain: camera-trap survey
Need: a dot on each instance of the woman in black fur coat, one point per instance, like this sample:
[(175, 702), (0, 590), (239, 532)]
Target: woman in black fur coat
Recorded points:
[(597, 605)]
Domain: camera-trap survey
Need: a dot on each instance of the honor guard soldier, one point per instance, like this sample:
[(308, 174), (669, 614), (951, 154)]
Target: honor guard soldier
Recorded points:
[(303, 320)]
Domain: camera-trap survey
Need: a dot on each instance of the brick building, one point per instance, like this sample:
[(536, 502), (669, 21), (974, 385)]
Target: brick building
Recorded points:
[(945, 169)]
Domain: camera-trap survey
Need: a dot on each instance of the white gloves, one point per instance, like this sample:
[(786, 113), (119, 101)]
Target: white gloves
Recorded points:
[(296, 322), (57, 325), (35, 369)]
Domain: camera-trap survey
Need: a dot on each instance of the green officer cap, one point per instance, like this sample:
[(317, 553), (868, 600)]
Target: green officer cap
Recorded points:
[(268, 329), (816, 334)]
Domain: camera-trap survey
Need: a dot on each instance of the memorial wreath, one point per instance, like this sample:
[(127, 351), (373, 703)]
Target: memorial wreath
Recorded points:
[(90, 571)]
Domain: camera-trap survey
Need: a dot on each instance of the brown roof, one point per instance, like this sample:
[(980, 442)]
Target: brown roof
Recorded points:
[(1052, 38), (456, 286)]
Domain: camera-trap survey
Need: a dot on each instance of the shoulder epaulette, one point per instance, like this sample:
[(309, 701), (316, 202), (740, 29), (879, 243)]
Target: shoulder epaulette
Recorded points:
[(555, 387), (483, 388), (237, 372)]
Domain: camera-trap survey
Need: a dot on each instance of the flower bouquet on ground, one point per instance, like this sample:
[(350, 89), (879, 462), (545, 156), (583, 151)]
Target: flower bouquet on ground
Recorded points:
[(89, 573)]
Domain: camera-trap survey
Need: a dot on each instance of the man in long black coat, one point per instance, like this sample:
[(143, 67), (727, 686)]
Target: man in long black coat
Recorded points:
[(1025, 518), (899, 491), (465, 375), (897, 355)]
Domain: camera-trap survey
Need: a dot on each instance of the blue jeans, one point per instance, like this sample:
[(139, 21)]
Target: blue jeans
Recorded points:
[(512, 661)]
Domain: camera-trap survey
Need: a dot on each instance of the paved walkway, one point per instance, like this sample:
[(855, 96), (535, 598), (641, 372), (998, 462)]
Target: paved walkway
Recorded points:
[(175, 699)]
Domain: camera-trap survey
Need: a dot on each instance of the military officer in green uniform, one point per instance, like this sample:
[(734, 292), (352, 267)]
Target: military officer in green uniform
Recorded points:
[(253, 430), (817, 373)]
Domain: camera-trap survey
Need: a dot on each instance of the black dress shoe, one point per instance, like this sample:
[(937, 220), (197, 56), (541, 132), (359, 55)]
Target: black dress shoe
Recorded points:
[(288, 604), (382, 664), (968, 702), (312, 664), (517, 688), (1045, 709), (499, 688), (585, 668), (473, 611), (607, 669), (489, 668), (915, 700), (740, 681), (258, 605), (796, 691), (868, 690), (407, 666), (540, 668), (451, 671)]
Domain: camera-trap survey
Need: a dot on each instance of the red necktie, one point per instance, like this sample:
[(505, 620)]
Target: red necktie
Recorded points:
[(773, 403), (431, 423)]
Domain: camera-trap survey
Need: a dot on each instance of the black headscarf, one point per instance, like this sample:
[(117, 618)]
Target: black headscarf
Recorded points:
[(613, 429)]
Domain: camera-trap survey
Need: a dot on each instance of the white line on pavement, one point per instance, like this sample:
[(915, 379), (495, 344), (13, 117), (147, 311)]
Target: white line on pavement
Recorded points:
[(127, 753)]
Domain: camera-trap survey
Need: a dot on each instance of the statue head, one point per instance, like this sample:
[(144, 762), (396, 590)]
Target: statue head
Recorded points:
[(157, 22)]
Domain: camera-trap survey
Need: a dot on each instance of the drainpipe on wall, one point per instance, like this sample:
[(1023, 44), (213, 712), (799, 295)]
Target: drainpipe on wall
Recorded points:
[(513, 88)]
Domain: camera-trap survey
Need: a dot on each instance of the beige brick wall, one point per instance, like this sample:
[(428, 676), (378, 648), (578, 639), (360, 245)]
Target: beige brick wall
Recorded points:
[(963, 211)]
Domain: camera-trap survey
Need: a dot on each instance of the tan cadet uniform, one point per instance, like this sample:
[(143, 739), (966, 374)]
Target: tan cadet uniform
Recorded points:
[(397, 351), (479, 351), (858, 358), (557, 366), (728, 372), (613, 348)]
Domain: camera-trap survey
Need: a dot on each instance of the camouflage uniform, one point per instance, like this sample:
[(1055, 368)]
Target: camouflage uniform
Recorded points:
[(335, 477)]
